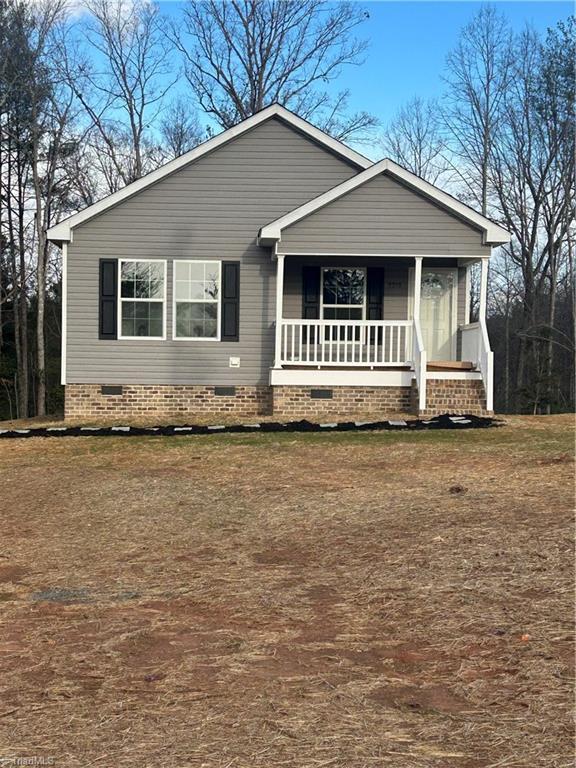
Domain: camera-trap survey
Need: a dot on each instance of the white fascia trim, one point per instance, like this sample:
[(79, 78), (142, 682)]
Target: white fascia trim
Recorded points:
[(62, 232), (346, 378), (493, 233)]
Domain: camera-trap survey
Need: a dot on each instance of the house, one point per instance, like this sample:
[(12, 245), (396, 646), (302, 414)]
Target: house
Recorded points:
[(274, 269)]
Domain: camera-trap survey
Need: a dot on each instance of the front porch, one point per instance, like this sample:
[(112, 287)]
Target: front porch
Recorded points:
[(380, 322)]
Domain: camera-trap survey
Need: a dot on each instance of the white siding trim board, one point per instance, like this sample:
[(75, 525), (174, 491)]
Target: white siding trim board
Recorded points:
[(64, 300)]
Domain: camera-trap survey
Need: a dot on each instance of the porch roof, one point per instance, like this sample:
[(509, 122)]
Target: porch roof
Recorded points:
[(492, 233)]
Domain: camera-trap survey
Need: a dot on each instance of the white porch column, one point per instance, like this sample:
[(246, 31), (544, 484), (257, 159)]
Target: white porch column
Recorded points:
[(419, 353), (485, 354), (279, 307), (417, 286), (483, 291)]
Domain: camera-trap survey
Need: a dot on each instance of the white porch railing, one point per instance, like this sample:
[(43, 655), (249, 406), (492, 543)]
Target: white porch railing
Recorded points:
[(420, 363), (350, 343), (476, 348)]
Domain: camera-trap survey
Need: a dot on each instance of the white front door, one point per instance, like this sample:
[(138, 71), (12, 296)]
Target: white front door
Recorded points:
[(438, 313)]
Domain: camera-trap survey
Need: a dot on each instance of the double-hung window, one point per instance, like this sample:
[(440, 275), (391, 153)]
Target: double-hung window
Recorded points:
[(197, 300), (343, 294), (142, 299)]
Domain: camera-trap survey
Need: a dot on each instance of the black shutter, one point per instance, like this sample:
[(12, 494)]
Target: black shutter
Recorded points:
[(310, 293), (230, 321), (375, 279), (375, 296), (310, 299), (108, 312)]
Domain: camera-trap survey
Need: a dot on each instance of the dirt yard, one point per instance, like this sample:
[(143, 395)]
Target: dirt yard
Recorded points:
[(347, 600)]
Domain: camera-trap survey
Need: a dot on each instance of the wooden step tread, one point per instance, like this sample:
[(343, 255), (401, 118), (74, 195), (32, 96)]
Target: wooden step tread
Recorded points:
[(451, 365)]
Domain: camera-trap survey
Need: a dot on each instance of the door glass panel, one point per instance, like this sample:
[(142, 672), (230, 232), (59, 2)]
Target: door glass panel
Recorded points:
[(436, 284)]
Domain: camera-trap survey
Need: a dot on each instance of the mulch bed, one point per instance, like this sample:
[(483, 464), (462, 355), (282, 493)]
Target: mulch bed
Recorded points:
[(445, 421)]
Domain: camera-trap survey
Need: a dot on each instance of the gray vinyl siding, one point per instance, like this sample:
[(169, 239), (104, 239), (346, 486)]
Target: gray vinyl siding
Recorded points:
[(383, 216), (211, 209)]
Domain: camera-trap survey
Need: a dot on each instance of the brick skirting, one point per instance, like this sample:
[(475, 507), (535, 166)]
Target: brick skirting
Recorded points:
[(295, 402), (455, 396), (94, 401), (88, 401)]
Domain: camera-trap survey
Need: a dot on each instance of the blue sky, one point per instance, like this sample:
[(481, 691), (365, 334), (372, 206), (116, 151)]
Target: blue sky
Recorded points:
[(409, 40)]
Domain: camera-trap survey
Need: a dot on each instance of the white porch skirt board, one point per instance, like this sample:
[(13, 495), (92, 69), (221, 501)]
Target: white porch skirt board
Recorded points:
[(359, 378)]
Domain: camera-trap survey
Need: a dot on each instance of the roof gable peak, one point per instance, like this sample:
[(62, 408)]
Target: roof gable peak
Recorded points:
[(493, 234), (62, 232)]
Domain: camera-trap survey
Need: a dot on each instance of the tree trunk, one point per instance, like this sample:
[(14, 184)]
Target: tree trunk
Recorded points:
[(551, 323), (23, 383), (41, 285), (507, 358), (16, 244)]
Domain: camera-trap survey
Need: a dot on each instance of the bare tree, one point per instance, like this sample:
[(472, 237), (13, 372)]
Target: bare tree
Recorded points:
[(51, 112), (555, 104), (122, 89), (533, 180), (505, 293), (49, 107), (15, 129), (180, 129), (243, 55), (414, 140), (478, 77)]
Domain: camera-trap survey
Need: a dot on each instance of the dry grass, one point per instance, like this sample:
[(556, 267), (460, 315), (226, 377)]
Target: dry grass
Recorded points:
[(349, 600)]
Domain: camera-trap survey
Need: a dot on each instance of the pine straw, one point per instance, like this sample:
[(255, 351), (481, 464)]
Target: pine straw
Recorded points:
[(325, 600)]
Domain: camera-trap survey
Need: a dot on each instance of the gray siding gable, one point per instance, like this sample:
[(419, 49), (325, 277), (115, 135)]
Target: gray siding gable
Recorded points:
[(209, 209), (383, 216)]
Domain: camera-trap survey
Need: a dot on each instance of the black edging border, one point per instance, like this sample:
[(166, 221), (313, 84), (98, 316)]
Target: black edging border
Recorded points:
[(445, 421)]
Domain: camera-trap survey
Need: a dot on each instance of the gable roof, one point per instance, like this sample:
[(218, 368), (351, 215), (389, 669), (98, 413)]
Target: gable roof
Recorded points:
[(493, 234), (62, 231)]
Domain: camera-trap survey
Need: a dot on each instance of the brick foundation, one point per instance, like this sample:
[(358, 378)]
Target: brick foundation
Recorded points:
[(456, 396), (296, 402), (87, 401)]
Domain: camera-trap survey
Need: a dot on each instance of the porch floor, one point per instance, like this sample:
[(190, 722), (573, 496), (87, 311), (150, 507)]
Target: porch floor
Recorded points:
[(435, 366)]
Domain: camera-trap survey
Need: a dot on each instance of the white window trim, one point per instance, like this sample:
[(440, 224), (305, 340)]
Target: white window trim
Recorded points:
[(343, 306), (162, 300), (218, 302)]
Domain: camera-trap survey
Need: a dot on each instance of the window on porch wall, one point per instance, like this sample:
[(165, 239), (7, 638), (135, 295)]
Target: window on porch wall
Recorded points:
[(343, 293)]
